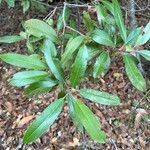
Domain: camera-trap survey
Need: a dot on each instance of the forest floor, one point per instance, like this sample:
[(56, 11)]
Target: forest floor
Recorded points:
[(127, 125)]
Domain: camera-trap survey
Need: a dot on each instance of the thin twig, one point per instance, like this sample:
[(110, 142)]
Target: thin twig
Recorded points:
[(78, 16), (74, 30), (51, 14)]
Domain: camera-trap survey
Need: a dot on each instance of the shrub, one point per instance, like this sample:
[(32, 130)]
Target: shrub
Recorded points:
[(60, 59)]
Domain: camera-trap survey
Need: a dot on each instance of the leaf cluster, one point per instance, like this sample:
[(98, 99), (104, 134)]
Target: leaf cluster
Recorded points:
[(58, 59)]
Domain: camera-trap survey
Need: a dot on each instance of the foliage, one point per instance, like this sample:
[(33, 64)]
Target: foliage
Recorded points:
[(51, 63), (27, 4)]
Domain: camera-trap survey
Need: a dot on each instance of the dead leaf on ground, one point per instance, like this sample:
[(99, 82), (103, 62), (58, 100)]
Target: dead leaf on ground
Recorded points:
[(25, 120)]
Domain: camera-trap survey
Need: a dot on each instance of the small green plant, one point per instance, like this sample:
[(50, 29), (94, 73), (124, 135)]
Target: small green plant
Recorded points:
[(47, 69), (26, 4), (115, 34), (60, 59)]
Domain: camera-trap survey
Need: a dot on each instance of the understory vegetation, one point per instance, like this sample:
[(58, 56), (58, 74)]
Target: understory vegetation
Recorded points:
[(59, 56)]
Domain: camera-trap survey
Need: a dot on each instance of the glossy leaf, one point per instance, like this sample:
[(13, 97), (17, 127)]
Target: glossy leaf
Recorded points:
[(102, 37), (48, 45), (93, 50), (100, 97), (39, 29), (23, 61), (145, 54), (40, 87), (71, 104), (79, 66), (109, 6), (119, 20), (60, 23), (145, 37), (102, 64), (27, 77), (101, 13), (11, 39), (44, 121), (90, 122), (53, 64), (11, 3), (71, 47), (88, 22), (133, 36), (134, 74), (25, 4)]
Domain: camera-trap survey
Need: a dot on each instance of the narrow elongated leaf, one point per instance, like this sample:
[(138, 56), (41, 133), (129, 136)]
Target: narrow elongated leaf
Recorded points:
[(119, 20), (54, 65), (145, 37), (93, 50), (102, 64), (109, 6), (79, 66), (71, 47), (90, 122), (44, 121), (11, 39), (145, 54), (39, 28), (133, 36), (88, 22), (25, 4), (40, 87), (49, 45), (73, 25), (101, 13), (100, 97), (60, 23), (23, 61), (134, 74), (71, 104), (102, 37), (27, 77), (11, 3)]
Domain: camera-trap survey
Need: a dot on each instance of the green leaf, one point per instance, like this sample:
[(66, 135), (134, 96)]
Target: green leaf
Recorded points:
[(133, 36), (101, 13), (49, 45), (134, 74), (54, 64), (93, 50), (102, 64), (60, 23), (100, 97), (23, 61), (11, 39), (25, 4), (90, 122), (119, 20), (44, 121), (102, 37), (73, 25), (145, 37), (39, 29), (71, 47), (71, 104), (27, 77), (11, 3), (88, 22), (79, 66), (145, 54), (40, 87), (109, 6), (37, 6)]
